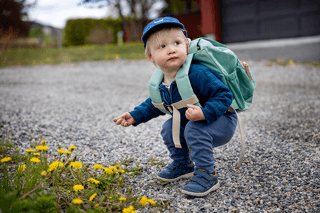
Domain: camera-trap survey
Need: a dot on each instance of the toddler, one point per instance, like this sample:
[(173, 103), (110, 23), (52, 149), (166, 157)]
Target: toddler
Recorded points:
[(201, 128)]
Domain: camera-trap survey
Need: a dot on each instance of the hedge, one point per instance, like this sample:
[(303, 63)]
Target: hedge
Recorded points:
[(77, 30)]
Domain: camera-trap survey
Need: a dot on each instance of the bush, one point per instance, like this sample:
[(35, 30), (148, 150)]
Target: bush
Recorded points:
[(77, 31)]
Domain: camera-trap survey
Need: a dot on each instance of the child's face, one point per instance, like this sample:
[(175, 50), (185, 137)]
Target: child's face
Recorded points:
[(168, 49)]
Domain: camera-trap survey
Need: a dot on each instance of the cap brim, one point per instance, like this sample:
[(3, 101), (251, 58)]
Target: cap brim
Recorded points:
[(145, 37)]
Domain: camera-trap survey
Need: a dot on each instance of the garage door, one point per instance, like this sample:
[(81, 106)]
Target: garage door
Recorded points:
[(247, 20)]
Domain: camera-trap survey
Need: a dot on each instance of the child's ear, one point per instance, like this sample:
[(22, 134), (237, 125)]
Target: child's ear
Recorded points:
[(149, 55), (187, 44)]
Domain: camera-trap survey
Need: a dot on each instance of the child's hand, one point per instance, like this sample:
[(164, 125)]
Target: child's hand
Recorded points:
[(124, 120), (194, 113)]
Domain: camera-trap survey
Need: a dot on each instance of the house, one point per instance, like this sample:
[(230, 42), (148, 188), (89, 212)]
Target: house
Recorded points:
[(254, 29), (56, 33), (230, 21)]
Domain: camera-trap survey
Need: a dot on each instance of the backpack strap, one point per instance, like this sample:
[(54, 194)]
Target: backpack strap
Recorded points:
[(231, 109), (183, 81), (185, 91), (174, 109)]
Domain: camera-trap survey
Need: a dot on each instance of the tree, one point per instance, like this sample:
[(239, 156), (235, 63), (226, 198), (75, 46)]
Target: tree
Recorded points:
[(139, 10), (12, 14)]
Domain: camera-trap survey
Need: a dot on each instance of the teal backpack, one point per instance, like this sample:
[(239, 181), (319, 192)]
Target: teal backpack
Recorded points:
[(234, 74)]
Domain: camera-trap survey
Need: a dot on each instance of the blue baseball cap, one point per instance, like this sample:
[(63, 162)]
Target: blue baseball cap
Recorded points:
[(159, 23)]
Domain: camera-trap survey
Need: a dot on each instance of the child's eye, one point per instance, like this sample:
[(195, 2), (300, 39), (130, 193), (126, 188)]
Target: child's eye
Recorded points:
[(176, 43), (162, 46)]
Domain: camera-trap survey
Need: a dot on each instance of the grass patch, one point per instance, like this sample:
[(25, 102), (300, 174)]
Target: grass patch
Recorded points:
[(283, 62), (311, 64), (5, 145), (156, 162), (33, 56), (30, 182)]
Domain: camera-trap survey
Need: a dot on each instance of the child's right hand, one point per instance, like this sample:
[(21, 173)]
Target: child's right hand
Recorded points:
[(124, 120)]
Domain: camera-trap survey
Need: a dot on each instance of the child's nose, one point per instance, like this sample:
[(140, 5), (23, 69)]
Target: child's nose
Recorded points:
[(172, 49)]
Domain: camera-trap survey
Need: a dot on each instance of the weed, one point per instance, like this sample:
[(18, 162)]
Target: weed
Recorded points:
[(31, 182)]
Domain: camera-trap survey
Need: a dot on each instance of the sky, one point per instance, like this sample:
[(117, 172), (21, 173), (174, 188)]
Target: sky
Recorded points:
[(56, 12)]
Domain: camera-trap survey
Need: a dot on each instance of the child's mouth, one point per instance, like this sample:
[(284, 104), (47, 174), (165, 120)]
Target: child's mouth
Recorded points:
[(173, 58)]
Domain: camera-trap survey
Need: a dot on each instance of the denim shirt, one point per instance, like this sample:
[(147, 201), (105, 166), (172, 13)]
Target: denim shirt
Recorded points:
[(214, 96)]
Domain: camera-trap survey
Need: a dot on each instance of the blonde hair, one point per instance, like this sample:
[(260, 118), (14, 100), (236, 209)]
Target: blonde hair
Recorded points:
[(155, 37)]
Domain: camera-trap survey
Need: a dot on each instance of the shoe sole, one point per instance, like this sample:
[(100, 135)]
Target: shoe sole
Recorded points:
[(188, 175), (201, 194)]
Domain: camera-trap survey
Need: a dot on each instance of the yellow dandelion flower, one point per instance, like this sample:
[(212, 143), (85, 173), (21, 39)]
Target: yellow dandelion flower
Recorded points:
[(120, 179), (43, 173), (29, 150), (77, 201), (35, 160), (122, 199), (97, 166), (118, 166), (108, 171), (76, 165), (94, 181), (55, 165), (114, 169), (110, 197), (78, 188), (128, 210), (36, 154), (44, 142), (92, 196), (143, 201), (6, 159), (40, 148), (121, 171), (21, 168), (72, 147), (50, 169), (151, 202), (68, 192), (96, 205), (61, 151), (45, 147)]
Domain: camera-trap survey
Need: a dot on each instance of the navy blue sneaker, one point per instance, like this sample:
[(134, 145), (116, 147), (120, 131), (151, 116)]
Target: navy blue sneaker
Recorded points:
[(202, 183), (176, 171)]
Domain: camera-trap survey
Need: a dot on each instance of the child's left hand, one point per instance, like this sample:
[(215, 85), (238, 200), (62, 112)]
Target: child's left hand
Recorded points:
[(194, 113)]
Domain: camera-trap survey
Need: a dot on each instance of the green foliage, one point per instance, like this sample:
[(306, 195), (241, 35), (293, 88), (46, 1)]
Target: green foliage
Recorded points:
[(36, 32), (37, 202), (77, 30), (31, 183), (5, 145), (47, 40), (156, 162)]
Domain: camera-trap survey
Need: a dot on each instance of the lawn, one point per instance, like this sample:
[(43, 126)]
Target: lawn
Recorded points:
[(33, 56)]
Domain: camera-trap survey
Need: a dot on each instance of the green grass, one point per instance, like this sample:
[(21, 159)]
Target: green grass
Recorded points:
[(311, 64), (30, 182), (283, 62), (32, 56)]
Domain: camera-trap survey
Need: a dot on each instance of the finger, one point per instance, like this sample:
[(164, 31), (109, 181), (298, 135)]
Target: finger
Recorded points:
[(119, 121), (187, 115), (191, 106), (116, 119), (123, 122)]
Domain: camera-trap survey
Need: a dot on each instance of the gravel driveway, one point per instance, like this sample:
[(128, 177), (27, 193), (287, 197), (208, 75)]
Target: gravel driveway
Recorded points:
[(74, 104)]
